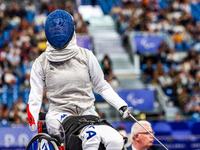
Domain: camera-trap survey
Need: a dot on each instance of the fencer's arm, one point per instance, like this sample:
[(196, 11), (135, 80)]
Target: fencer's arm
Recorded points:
[(101, 86), (36, 94)]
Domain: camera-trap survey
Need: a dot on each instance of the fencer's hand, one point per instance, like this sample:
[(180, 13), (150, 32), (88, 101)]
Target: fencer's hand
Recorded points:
[(125, 111), (32, 124), (33, 127)]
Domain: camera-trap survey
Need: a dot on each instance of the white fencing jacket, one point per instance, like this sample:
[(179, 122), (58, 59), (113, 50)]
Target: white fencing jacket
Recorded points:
[(98, 83)]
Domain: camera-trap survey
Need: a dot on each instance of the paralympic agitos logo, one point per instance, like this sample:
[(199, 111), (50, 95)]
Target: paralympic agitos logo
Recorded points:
[(133, 100)]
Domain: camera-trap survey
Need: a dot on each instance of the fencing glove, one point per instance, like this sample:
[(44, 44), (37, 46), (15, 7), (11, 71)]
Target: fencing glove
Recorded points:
[(125, 111)]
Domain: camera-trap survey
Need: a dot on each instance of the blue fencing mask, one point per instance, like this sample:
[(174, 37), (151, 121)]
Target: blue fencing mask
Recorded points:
[(59, 28)]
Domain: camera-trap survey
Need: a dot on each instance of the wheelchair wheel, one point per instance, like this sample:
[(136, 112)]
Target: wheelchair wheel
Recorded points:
[(42, 141)]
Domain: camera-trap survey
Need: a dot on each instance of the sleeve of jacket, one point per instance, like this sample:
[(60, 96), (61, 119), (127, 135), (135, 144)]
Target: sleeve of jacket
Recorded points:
[(36, 94), (101, 86)]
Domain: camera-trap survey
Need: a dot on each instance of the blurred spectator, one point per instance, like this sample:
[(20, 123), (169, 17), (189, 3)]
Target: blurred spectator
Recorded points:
[(61, 5), (2, 7), (69, 7), (24, 24), (160, 68), (178, 117), (177, 37), (155, 78), (4, 115), (192, 53), (106, 61), (192, 106), (115, 11), (122, 22), (162, 53), (106, 65), (148, 71), (30, 7), (52, 6), (39, 19), (197, 44), (14, 58), (15, 117), (165, 80), (26, 81), (18, 114), (81, 26), (4, 53), (34, 52), (4, 112), (183, 96), (172, 57), (9, 78), (21, 105)]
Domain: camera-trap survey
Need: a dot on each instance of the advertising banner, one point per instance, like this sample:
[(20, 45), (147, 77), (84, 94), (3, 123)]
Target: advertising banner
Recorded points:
[(15, 137), (139, 99), (147, 44)]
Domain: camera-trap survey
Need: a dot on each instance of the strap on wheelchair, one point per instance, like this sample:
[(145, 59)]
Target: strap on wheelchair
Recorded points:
[(73, 124)]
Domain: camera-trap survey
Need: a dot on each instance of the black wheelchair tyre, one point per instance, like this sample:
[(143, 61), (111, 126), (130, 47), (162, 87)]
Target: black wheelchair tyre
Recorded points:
[(34, 142)]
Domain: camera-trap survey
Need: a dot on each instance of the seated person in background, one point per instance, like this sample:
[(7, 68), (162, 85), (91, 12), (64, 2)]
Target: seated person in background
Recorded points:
[(108, 72), (142, 140)]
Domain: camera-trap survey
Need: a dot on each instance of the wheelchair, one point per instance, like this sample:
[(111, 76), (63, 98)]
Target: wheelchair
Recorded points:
[(66, 136)]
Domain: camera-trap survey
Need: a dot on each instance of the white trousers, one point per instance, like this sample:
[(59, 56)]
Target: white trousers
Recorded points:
[(91, 136)]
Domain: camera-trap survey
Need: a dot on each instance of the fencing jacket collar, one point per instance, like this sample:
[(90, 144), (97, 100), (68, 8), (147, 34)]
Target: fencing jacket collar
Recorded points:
[(68, 52)]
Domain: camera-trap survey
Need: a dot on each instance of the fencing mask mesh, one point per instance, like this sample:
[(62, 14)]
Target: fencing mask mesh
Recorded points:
[(59, 28)]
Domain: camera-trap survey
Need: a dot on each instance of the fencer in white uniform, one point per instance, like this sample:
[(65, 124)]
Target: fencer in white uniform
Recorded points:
[(69, 75)]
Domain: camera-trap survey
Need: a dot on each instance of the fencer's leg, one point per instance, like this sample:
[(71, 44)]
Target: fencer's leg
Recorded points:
[(53, 119), (90, 138), (111, 138)]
